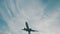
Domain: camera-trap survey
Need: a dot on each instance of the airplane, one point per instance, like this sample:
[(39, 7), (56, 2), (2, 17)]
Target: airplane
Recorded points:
[(29, 30)]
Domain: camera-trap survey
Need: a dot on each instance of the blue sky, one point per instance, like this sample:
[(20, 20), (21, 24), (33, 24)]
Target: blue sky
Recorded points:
[(42, 15)]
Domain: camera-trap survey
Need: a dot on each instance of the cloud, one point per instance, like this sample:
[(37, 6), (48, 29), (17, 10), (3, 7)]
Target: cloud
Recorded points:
[(43, 16)]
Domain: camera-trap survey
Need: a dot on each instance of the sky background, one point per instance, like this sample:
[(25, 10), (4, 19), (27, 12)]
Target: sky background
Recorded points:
[(41, 15)]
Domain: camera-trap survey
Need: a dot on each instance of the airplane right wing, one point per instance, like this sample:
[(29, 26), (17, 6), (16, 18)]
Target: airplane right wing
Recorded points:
[(33, 30)]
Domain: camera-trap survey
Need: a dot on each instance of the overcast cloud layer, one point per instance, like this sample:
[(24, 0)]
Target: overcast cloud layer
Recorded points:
[(42, 15)]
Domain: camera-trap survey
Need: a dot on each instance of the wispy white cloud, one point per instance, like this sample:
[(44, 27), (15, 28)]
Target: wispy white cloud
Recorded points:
[(34, 12)]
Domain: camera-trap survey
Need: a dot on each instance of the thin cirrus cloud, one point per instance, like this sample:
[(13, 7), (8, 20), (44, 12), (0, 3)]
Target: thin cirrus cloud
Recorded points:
[(40, 14)]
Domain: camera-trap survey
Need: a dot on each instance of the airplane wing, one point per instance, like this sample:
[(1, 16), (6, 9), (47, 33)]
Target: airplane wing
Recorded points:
[(33, 30), (24, 29)]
